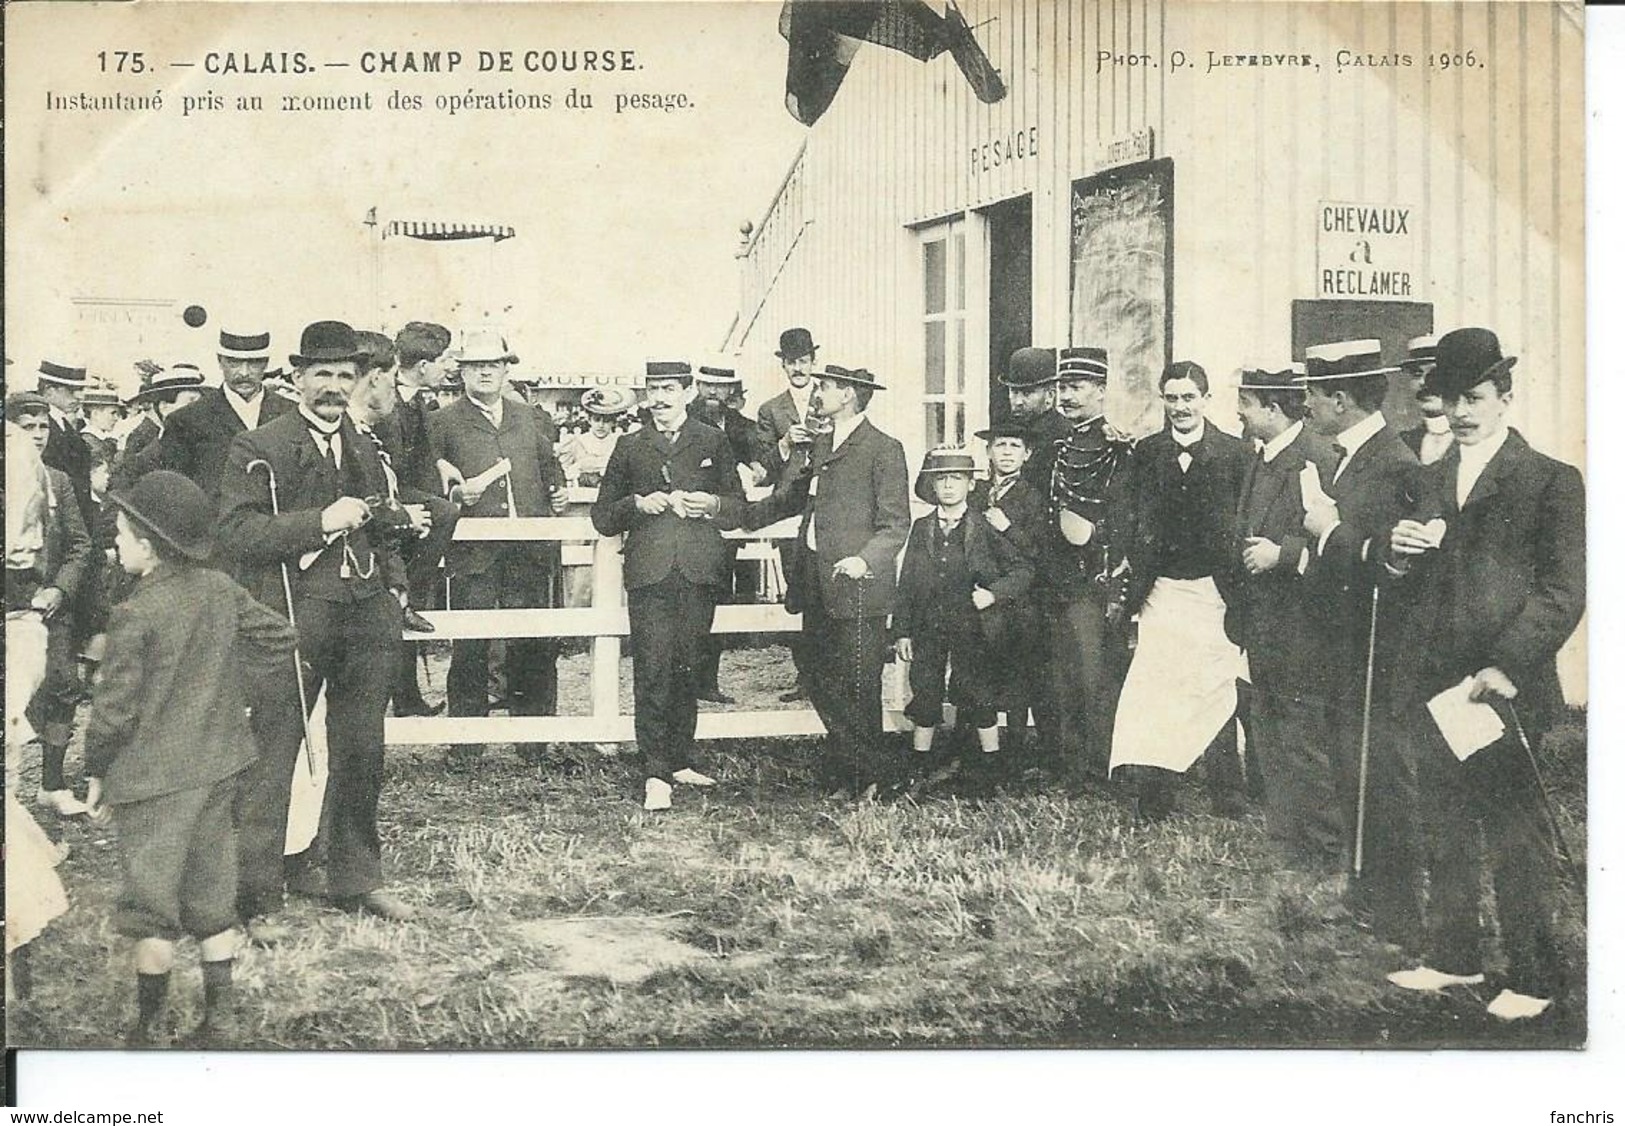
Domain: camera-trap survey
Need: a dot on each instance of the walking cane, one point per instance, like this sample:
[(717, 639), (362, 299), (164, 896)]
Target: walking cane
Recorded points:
[(1559, 843), (1365, 738), (287, 594)]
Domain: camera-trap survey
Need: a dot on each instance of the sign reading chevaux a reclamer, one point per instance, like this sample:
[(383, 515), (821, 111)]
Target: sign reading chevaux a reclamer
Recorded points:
[(1365, 250)]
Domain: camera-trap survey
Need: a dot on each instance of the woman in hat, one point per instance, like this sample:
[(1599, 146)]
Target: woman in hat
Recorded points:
[(584, 455), (168, 734), (955, 592)]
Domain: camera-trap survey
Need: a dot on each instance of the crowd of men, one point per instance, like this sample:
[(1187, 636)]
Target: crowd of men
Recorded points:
[(1313, 584)]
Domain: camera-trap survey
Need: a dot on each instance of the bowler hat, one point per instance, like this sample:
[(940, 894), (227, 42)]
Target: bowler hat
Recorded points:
[(1081, 363), (794, 343), (170, 505), (20, 404), (482, 345), (1344, 359), (1466, 358), (608, 400), (858, 377), (1029, 367), (61, 374), (244, 346), (326, 342), (942, 459)]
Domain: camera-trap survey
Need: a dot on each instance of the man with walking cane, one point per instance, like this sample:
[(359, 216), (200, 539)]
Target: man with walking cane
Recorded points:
[(296, 516), (1488, 566), (1347, 517)]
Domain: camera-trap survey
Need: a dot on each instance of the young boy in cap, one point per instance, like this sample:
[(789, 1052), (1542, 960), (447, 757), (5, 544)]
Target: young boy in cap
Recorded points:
[(958, 583), (168, 734)]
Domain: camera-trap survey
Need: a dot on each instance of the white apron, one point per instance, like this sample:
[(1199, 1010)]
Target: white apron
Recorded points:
[(1181, 688)]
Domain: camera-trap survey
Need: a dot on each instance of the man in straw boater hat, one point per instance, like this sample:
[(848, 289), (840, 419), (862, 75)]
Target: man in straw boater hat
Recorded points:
[(196, 437), (1271, 619), (140, 425), (166, 392), (1347, 516), (168, 738), (103, 410), (1079, 572), (1178, 702), (956, 620), (670, 487), (60, 385), (45, 570), (1432, 438), (1490, 557), (841, 576), (1030, 381), (296, 521)]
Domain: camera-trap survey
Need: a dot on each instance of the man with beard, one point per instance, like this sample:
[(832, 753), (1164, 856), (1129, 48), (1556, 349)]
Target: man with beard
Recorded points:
[(1030, 382), (348, 588), (195, 438)]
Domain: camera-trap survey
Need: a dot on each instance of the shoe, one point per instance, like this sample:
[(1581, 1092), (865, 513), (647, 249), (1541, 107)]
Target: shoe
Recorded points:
[(418, 708), (267, 932), (62, 801), (1511, 1006), (656, 795), (384, 905), (716, 696), (415, 622), (218, 1029), (790, 697), (691, 777), (1424, 979)]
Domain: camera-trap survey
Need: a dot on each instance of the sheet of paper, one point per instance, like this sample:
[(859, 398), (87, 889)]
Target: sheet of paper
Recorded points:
[(490, 476), (1468, 726), (1309, 483)]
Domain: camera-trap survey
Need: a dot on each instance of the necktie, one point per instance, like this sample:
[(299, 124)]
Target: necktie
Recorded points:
[(329, 446)]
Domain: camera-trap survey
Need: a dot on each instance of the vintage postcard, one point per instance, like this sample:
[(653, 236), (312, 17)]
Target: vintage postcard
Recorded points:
[(922, 523)]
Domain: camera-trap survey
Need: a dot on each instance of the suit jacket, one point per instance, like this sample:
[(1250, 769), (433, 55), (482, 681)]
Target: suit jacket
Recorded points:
[(404, 432), (1507, 586), (196, 437), (994, 563), (645, 462), (857, 499), (253, 542), (1023, 504), (773, 421), (1182, 520), (67, 450), (144, 432), (1269, 618), (1044, 433), (462, 435), (168, 710), (65, 551)]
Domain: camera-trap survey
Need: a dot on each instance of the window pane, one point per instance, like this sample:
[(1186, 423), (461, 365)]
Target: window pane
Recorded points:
[(959, 355), (936, 356), (935, 423), (936, 276), (959, 270)]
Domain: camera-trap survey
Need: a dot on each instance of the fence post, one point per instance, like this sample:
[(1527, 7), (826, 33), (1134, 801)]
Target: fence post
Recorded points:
[(606, 651)]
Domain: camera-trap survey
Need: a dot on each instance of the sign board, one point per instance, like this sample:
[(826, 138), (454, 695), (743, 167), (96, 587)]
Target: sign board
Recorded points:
[(577, 380), (1365, 251), (1130, 148)]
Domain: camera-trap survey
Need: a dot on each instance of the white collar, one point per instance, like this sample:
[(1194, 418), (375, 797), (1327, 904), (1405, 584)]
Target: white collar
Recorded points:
[(682, 419), (321, 426), (1476, 456), (1186, 441), (1435, 424), (1360, 433), (954, 517), (406, 392), (800, 396), (253, 400), (60, 416), (1273, 447), (843, 430), (494, 413)]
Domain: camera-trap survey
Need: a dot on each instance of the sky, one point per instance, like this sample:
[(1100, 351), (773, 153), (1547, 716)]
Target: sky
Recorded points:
[(626, 223)]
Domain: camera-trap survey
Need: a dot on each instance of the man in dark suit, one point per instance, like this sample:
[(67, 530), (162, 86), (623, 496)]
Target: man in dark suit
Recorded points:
[(348, 585), (45, 566), (842, 572), (196, 437), (1365, 496), (670, 487), (1030, 381), (1493, 546), (60, 386), (469, 438), (1178, 701), (1270, 618), (786, 431), (166, 392), (1432, 438), (715, 384)]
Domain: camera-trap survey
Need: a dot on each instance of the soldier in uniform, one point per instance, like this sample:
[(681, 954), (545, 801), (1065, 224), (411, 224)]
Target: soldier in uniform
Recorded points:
[(1079, 571)]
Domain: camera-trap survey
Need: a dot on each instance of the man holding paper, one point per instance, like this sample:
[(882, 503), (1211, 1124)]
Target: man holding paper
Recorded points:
[(1492, 553), (495, 461)]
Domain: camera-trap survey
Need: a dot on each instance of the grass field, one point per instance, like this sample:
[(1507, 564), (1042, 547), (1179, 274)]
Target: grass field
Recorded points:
[(557, 914)]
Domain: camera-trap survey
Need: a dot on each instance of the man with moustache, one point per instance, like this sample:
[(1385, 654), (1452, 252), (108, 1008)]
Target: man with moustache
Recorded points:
[(1363, 498), (1431, 440), (348, 589), (1270, 617), (670, 487), (60, 385), (1178, 702), (196, 437), (1030, 382), (852, 492)]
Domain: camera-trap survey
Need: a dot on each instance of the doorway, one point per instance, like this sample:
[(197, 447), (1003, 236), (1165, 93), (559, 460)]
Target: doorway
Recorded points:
[(1009, 291)]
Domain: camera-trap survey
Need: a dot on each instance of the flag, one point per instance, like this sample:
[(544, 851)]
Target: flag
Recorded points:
[(824, 35)]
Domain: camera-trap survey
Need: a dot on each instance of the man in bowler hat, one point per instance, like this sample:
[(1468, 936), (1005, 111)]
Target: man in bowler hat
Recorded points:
[(348, 589), (787, 428), (1030, 382)]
